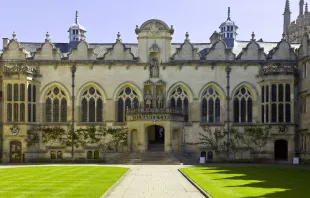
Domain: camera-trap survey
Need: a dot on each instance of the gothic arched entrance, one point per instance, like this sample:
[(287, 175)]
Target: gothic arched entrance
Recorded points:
[(156, 138), (15, 152), (280, 150)]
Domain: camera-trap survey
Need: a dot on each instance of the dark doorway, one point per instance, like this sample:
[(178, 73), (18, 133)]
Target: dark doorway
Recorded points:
[(156, 137), (280, 150), (15, 152), (203, 154)]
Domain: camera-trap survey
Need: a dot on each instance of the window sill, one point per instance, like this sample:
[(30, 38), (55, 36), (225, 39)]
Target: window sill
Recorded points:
[(243, 124), (211, 124), (90, 123), (119, 123)]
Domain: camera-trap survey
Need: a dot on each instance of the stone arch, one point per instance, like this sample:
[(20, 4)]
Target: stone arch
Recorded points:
[(47, 87), (215, 85), (89, 84), (247, 85), (131, 85), (183, 85)]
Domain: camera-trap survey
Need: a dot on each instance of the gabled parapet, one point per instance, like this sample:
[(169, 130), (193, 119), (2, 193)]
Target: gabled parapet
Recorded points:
[(14, 50), (82, 51), (219, 51), (186, 51), (283, 51), (47, 51), (118, 51), (252, 51)]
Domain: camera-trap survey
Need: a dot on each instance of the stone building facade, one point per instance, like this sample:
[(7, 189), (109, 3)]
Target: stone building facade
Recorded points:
[(162, 91)]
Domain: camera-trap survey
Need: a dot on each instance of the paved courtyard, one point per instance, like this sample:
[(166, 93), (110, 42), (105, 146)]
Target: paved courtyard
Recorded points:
[(156, 181)]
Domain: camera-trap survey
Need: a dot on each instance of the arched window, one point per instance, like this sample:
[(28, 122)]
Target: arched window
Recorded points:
[(127, 98), (55, 105), (92, 105), (243, 105), (210, 106), (179, 100)]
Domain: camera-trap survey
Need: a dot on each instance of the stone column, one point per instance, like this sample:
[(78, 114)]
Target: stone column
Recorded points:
[(168, 136), (142, 145)]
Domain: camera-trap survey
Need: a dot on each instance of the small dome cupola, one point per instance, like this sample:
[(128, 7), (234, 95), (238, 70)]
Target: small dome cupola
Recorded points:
[(76, 30), (228, 29)]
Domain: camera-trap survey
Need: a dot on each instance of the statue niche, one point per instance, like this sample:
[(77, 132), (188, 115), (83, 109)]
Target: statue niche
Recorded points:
[(148, 99), (154, 67), (160, 99)]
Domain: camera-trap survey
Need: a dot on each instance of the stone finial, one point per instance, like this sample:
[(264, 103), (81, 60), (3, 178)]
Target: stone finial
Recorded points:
[(47, 36), (228, 18), (14, 35), (76, 17), (118, 37), (287, 7), (306, 9), (253, 36), (186, 36), (83, 36)]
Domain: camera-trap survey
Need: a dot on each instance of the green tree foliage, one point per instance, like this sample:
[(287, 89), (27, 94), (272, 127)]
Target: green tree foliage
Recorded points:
[(255, 138), (92, 134)]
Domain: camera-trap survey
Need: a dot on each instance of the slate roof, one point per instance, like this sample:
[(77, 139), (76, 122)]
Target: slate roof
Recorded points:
[(101, 48)]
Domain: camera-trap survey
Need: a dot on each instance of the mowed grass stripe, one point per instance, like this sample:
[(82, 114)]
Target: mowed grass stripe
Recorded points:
[(32, 178), (53, 184), (241, 182), (58, 181)]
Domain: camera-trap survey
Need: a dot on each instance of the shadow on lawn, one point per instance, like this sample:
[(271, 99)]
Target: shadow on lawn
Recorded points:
[(294, 182)]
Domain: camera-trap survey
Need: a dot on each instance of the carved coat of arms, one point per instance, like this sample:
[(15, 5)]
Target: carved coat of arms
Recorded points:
[(15, 130)]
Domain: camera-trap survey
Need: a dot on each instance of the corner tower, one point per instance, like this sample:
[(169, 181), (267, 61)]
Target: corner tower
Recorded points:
[(228, 31)]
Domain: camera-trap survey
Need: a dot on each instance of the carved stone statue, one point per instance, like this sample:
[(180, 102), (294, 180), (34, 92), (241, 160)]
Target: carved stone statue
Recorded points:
[(160, 100), (148, 99), (154, 67)]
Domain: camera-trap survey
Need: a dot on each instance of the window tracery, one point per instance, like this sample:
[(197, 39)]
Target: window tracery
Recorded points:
[(92, 105), (55, 105), (243, 105), (210, 106), (179, 100), (127, 98)]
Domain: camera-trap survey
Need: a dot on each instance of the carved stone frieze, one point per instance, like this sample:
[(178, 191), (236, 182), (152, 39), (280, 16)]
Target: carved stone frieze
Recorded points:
[(277, 70), (22, 69)]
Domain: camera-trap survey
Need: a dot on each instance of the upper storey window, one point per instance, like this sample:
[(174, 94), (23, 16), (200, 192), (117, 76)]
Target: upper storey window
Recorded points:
[(55, 105), (127, 98), (276, 103), (243, 105), (15, 102), (92, 105), (179, 100), (210, 106), (32, 93)]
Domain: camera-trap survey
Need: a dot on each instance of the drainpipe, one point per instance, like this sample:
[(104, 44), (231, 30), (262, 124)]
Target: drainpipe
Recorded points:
[(228, 70)]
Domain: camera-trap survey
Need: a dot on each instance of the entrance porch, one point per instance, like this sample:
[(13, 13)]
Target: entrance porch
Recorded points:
[(160, 131)]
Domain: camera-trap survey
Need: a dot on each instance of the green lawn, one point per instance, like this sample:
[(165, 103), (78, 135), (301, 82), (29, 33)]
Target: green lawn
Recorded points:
[(236, 182), (58, 181)]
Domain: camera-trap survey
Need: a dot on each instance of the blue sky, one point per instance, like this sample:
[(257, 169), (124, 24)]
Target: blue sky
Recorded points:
[(31, 19)]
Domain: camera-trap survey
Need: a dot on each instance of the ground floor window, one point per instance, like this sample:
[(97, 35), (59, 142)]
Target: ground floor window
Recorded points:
[(92, 154), (56, 154)]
